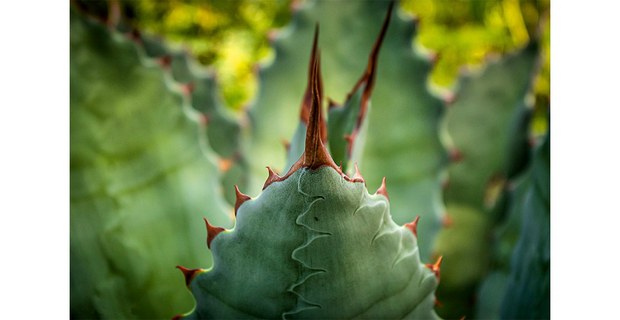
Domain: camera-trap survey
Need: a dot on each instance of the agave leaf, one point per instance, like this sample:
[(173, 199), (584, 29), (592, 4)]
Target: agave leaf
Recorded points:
[(310, 246), (402, 141), (479, 123), (488, 124), (528, 288), (140, 181)]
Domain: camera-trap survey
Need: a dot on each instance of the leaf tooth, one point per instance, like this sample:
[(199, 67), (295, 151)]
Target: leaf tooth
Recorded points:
[(165, 62), (383, 189), (449, 98), (331, 103), (189, 274), (456, 155), (287, 145), (413, 226), (435, 267), (273, 177), (447, 221), (224, 164), (241, 198), (212, 232), (358, 174)]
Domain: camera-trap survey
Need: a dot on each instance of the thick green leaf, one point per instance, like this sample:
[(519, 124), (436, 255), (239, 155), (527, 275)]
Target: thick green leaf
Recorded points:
[(488, 123), (140, 182), (528, 288), (315, 246), (488, 106)]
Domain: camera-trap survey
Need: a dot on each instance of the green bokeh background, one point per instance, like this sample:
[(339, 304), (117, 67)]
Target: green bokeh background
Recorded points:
[(461, 33)]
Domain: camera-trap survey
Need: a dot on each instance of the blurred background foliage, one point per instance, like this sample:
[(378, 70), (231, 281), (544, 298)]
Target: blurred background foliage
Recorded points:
[(233, 36)]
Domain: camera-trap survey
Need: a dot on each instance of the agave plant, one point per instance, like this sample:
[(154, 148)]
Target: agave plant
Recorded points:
[(154, 151)]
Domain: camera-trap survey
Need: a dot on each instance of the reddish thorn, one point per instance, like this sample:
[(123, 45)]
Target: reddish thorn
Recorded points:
[(435, 268), (349, 138), (449, 98), (445, 184), (383, 189), (189, 274), (369, 75), (438, 303), (134, 34), (456, 155), (212, 232), (255, 70), (306, 103), (241, 198), (272, 35), (204, 119), (187, 88), (296, 5), (433, 57), (332, 104), (446, 221), (225, 164), (177, 317), (315, 154), (462, 318), (165, 61), (273, 177), (287, 145), (413, 226), (357, 174)]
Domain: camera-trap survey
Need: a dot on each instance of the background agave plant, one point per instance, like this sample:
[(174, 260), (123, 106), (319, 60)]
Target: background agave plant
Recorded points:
[(153, 150)]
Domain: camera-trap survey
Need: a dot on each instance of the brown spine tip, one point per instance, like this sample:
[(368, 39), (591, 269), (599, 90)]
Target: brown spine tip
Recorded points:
[(165, 61), (187, 88), (413, 226), (446, 221), (189, 274), (212, 232), (273, 177), (241, 198), (287, 145), (435, 268), (438, 303), (456, 155), (449, 98), (315, 154), (331, 103), (445, 183), (357, 175), (224, 164), (306, 103), (434, 57), (178, 317), (383, 189), (368, 80)]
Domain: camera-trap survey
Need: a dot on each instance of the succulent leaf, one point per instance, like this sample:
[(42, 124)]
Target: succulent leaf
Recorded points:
[(139, 181), (528, 288), (488, 124), (479, 123), (315, 238)]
